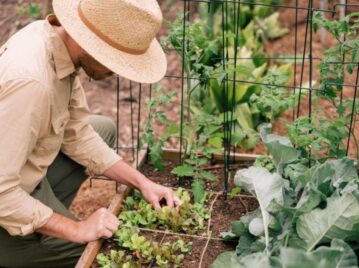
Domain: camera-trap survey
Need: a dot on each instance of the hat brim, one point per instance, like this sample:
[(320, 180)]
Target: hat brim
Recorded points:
[(149, 67)]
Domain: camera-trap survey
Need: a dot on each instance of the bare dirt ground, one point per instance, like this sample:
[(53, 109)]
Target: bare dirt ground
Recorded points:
[(102, 95)]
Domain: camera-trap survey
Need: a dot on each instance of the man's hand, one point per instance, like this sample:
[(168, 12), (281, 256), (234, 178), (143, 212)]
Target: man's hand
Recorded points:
[(101, 224), (154, 193)]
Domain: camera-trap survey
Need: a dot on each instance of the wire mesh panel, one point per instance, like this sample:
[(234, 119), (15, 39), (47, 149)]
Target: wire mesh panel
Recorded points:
[(239, 64)]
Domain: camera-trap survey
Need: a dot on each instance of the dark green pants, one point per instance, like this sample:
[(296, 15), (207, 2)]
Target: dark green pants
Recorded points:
[(57, 190)]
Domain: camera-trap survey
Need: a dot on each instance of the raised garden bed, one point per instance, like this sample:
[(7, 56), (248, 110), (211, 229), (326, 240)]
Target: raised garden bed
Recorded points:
[(205, 243)]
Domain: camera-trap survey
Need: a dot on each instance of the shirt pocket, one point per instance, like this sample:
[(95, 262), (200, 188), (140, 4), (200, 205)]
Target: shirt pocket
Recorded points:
[(59, 123), (50, 144)]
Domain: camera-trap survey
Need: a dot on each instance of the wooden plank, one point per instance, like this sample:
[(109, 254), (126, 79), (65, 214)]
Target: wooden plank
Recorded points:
[(92, 248)]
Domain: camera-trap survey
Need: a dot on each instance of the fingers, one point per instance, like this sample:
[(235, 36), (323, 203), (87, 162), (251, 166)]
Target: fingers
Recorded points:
[(106, 234), (108, 223), (177, 201), (112, 226), (156, 204), (169, 198)]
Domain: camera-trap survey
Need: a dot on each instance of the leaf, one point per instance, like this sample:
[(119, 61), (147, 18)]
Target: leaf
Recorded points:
[(216, 142), (183, 171), (225, 260), (242, 69), (279, 147), (208, 175), (340, 219), (339, 255), (258, 259), (265, 186), (234, 192), (198, 189)]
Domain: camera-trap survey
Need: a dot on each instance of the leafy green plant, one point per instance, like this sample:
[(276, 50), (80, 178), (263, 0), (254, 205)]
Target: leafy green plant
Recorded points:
[(217, 89), (201, 139), (332, 67), (320, 136), (189, 217), (301, 209), (144, 251), (157, 116)]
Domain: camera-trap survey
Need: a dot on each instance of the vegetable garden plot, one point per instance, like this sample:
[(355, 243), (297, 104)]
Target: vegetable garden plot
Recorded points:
[(231, 92), (197, 233)]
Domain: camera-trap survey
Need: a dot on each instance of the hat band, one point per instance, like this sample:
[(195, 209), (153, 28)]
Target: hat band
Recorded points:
[(105, 38)]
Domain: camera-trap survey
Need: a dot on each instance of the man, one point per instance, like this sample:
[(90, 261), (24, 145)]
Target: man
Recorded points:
[(43, 111)]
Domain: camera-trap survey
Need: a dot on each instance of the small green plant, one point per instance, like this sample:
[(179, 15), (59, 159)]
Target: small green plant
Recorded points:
[(144, 251), (33, 10), (319, 136), (201, 141), (157, 116), (190, 218), (332, 67)]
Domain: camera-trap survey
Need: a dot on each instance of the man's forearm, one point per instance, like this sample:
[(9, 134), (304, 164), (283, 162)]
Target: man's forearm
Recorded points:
[(126, 174), (61, 227), (100, 224)]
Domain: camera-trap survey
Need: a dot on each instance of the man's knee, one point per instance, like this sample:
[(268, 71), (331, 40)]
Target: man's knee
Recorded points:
[(106, 128)]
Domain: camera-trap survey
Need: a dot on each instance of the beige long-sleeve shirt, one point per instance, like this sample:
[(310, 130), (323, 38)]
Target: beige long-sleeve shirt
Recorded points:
[(43, 110)]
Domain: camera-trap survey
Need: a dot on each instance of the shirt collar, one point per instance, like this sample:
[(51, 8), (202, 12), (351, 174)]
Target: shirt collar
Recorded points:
[(62, 61)]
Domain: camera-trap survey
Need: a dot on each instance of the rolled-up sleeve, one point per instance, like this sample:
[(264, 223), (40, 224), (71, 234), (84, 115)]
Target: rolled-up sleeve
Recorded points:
[(20, 119), (81, 142)]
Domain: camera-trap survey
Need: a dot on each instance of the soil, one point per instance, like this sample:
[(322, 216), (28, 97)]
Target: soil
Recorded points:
[(165, 177)]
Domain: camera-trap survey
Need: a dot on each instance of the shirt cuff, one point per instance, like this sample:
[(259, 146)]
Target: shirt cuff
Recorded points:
[(42, 215), (109, 158)]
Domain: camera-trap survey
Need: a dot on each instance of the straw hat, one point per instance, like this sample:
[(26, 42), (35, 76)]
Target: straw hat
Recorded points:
[(120, 34)]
